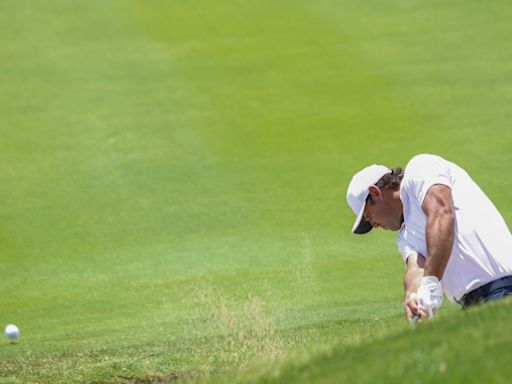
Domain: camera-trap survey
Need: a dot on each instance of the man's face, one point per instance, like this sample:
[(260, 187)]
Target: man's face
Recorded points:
[(384, 209)]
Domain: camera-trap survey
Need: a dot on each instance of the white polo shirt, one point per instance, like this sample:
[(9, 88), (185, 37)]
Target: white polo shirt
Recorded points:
[(482, 246)]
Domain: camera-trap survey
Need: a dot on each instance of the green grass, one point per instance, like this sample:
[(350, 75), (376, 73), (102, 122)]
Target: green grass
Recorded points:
[(471, 346), (173, 175)]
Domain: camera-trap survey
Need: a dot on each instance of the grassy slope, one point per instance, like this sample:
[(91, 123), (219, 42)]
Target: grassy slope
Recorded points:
[(471, 346), (172, 172)]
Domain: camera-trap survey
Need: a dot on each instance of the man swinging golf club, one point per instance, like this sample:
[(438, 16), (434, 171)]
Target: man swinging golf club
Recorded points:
[(452, 238)]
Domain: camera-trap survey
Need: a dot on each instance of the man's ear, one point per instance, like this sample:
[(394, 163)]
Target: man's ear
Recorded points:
[(375, 192)]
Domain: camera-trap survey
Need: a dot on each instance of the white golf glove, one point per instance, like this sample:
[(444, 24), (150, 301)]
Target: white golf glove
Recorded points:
[(430, 294)]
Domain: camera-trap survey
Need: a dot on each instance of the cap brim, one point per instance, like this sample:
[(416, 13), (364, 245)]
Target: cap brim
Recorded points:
[(361, 226)]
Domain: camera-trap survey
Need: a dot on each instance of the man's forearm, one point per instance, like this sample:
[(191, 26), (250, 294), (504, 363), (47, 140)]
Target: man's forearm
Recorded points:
[(440, 234), (412, 280), (414, 273)]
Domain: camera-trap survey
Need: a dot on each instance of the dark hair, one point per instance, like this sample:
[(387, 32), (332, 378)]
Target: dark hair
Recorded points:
[(390, 180)]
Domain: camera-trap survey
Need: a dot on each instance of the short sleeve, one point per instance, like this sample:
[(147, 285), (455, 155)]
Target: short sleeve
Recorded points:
[(404, 247), (424, 171)]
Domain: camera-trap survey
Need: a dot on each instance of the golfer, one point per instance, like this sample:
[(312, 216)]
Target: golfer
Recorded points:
[(452, 238)]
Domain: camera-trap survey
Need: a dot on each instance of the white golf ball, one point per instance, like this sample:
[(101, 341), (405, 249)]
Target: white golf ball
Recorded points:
[(12, 332)]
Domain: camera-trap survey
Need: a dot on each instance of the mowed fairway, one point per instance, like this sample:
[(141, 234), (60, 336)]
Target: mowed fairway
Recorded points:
[(173, 176)]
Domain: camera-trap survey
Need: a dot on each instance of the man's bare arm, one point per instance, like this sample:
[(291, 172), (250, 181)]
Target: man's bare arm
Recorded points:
[(412, 281), (438, 206)]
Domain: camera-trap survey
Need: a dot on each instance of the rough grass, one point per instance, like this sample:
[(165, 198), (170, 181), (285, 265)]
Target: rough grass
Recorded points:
[(469, 346)]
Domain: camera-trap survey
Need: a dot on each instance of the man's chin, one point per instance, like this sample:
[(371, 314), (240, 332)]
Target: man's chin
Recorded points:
[(391, 227)]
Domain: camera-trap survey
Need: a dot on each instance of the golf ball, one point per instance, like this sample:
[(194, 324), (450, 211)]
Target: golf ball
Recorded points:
[(12, 332)]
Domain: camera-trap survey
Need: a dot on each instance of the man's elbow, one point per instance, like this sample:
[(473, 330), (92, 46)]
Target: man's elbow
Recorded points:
[(443, 225)]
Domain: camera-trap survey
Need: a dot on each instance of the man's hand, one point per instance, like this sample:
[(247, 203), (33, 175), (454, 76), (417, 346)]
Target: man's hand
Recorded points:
[(430, 296), (411, 306)]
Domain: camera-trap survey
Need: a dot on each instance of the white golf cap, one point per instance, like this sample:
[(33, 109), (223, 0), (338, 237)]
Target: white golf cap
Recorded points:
[(358, 192)]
